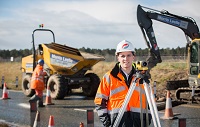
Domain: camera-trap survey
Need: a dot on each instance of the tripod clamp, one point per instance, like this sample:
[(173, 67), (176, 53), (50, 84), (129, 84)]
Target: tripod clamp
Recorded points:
[(143, 76)]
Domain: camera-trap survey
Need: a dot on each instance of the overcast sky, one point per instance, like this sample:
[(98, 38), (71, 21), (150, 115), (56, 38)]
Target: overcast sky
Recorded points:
[(97, 24)]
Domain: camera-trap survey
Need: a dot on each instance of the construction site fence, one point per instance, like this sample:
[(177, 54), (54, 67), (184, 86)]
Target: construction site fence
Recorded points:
[(110, 58), (143, 58), (164, 58), (17, 59)]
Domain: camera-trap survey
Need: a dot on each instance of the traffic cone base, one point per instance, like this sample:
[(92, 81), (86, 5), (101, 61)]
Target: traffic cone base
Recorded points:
[(81, 124), (48, 98), (51, 121), (5, 93), (168, 108), (48, 101)]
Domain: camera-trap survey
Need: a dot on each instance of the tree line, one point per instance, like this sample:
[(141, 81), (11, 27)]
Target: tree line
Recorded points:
[(139, 52), (6, 54)]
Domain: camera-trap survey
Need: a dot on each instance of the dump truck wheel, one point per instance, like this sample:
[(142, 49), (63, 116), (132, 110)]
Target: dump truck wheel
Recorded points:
[(57, 87), (92, 85), (26, 86)]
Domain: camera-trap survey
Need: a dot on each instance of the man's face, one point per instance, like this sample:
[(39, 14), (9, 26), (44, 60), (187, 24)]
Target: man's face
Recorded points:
[(125, 59)]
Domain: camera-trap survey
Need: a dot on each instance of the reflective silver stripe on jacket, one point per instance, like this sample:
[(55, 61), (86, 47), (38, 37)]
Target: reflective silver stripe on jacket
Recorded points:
[(41, 73), (107, 77), (115, 110), (37, 78), (133, 109), (137, 88), (117, 90), (102, 111), (103, 96)]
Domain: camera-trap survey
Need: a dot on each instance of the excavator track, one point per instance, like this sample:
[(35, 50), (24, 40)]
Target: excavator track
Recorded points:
[(185, 94)]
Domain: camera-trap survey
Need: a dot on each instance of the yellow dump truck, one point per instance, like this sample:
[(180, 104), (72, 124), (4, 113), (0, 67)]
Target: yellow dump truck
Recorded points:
[(66, 68)]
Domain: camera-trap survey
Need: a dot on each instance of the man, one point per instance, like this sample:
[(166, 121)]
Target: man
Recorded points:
[(37, 83), (114, 87)]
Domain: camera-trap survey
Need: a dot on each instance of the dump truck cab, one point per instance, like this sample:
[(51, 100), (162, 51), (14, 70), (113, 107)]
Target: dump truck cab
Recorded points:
[(66, 68)]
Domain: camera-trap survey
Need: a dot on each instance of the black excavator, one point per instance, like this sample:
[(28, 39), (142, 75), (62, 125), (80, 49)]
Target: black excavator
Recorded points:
[(188, 90)]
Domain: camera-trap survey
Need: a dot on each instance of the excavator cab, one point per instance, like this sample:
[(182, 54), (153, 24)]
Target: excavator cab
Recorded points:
[(194, 60)]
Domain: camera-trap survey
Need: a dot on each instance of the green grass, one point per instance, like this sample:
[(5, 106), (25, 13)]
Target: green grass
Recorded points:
[(167, 70), (172, 65), (10, 70)]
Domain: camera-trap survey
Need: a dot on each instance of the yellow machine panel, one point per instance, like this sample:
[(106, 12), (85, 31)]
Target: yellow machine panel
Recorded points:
[(27, 64)]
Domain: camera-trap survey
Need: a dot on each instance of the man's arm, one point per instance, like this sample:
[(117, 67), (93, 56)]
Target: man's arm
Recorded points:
[(101, 100)]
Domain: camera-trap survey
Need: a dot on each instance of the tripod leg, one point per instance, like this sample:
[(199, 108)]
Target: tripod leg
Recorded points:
[(124, 105), (152, 101), (154, 106), (141, 111), (150, 104), (147, 114)]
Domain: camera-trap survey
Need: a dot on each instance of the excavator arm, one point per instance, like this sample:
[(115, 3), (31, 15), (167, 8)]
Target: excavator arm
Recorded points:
[(186, 24)]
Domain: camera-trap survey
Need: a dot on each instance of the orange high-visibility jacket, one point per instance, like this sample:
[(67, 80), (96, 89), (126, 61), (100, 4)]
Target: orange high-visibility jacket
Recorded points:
[(111, 94), (37, 79)]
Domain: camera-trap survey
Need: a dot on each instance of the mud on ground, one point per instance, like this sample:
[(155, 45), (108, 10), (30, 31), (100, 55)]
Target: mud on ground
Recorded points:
[(161, 76)]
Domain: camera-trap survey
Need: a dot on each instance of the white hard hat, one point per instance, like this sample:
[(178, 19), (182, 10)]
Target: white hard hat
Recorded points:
[(124, 46)]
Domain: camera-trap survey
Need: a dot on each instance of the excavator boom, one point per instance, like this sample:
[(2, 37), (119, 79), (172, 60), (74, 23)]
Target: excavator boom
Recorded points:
[(183, 88), (186, 24)]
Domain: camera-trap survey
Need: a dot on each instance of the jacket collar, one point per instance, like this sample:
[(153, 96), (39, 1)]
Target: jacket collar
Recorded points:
[(116, 70)]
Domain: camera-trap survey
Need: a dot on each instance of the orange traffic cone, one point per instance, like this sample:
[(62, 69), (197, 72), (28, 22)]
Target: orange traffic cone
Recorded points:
[(168, 107), (51, 121), (48, 97), (81, 124), (5, 92)]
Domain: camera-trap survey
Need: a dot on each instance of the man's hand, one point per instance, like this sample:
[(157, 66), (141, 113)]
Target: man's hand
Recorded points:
[(47, 72)]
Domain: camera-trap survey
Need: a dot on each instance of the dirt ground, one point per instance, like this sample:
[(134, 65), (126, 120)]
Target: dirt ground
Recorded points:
[(161, 76)]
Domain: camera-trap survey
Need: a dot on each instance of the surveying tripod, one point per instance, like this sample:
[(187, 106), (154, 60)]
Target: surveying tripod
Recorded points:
[(142, 78)]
